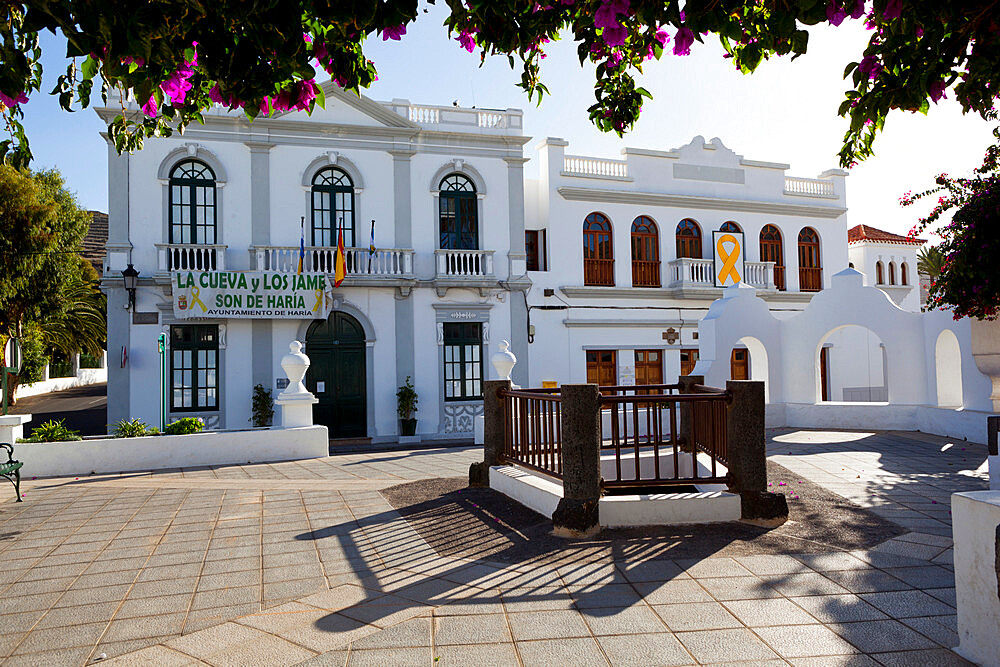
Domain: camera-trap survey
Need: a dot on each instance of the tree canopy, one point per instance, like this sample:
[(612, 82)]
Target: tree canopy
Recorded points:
[(177, 59)]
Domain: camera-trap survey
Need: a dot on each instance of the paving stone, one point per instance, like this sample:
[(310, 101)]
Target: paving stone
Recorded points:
[(547, 625), (838, 608), (804, 640), (774, 611), (479, 629), (580, 652), (877, 636), (339, 597), (268, 650), (476, 655), (623, 621), (907, 604), (929, 627), (149, 606), (713, 567), (329, 632), (652, 570), (415, 633), (607, 595), (69, 637), (380, 657), (66, 656), (930, 576), (827, 562), (741, 588), (696, 616), (657, 649), (204, 643), (855, 660), (716, 646), (867, 581), (805, 584), (154, 655), (772, 564), (937, 657)]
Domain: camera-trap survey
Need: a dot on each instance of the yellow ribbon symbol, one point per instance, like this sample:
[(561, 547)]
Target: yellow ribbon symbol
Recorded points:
[(195, 300), (728, 258), (319, 301)]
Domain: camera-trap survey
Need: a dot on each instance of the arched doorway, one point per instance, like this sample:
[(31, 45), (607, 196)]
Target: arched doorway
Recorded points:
[(337, 374), (852, 366), (948, 370)]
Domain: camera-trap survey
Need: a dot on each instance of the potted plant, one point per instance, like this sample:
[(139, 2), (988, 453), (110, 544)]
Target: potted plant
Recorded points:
[(406, 406)]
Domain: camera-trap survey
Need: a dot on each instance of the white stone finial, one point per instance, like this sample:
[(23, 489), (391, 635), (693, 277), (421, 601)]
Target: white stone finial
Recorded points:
[(295, 364), (503, 361), (295, 400)]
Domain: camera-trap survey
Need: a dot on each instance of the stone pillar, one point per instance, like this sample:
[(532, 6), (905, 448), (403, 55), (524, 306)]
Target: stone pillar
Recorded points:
[(975, 517), (747, 455), (493, 431), (577, 513), (295, 400), (685, 413), (993, 452), (12, 427)]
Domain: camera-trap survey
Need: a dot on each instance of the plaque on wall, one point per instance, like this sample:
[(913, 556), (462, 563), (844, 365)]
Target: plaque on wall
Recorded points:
[(281, 383), (145, 318)]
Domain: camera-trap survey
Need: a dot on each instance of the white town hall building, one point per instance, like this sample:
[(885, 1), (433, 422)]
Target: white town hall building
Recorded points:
[(598, 271)]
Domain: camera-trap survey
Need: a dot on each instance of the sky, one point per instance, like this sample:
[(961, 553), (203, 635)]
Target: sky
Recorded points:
[(785, 112)]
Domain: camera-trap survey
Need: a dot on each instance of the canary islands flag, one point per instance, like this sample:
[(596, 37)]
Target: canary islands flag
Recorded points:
[(302, 243), (340, 263)]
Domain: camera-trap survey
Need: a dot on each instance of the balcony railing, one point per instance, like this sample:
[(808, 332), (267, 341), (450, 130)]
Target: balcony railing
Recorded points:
[(464, 263), (383, 263), (599, 272), (809, 187), (645, 273), (810, 279), (578, 165), (190, 257), (689, 272)]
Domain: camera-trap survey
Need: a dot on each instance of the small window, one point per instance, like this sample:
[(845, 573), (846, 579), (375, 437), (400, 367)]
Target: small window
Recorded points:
[(463, 361), (904, 278), (194, 366), (689, 357), (879, 274), (645, 253), (192, 203), (332, 208), (892, 273), (771, 251), (535, 250), (598, 251), (810, 270), (688, 239), (602, 367), (730, 227), (458, 213)]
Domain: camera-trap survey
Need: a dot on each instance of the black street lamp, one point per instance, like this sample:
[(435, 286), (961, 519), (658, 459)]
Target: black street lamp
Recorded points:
[(131, 277)]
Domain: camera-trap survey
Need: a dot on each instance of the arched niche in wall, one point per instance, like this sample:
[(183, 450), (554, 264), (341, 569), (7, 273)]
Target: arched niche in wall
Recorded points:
[(757, 362), (851, 366), (948, 370)]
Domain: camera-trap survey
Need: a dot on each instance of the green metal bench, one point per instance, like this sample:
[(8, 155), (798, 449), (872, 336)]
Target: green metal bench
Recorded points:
[(11, 469)]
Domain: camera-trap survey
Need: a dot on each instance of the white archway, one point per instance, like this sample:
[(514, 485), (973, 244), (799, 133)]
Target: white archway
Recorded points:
[(851, 365), (758, 363), (948, 370)]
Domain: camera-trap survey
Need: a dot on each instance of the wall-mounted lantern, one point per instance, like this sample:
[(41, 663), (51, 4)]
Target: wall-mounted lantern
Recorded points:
[(131, 277)]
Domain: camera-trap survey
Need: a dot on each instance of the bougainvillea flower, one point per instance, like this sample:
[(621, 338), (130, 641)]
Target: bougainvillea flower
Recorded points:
[(835, 14), (614, 36), (859, 9), (467, 41), (304, 94), (393, 32), (893, 9), (13, 100), (683, 41), (662, 36), (936, 90), (606, 15), (150, 107), (870, 67)]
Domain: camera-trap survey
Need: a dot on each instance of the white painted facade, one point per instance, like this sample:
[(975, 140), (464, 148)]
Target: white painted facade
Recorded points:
[(542, 299)]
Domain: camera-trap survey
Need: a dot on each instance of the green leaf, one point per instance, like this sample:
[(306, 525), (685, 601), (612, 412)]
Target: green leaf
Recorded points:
[(89, 68)]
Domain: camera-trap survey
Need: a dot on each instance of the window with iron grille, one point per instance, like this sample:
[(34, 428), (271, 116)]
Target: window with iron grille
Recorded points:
[(332, 205), (463, 361), (194, 366), (191, 206)]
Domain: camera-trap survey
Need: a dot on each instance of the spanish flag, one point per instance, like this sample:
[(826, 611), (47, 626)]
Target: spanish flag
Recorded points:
[(302, 243), (339, 264)]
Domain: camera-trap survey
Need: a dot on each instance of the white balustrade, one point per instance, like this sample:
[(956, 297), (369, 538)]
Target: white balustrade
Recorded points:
[(464, 263), (591, 166), (359, 262), (811, 187), (190, 257), (760, 274), (492, 119), (424, 115), (689, 271)]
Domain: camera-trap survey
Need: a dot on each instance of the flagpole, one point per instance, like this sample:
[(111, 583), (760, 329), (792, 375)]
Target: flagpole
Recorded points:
[(371, 247)]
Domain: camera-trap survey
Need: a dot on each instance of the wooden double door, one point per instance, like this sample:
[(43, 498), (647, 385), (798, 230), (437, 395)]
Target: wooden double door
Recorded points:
[(338, 375)]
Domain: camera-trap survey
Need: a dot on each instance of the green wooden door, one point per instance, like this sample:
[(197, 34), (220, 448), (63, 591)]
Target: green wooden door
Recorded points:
[(337, 375)]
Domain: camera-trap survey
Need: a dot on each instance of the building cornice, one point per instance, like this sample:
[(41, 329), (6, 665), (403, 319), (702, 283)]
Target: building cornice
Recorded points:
[(696, 201), (646, 293)]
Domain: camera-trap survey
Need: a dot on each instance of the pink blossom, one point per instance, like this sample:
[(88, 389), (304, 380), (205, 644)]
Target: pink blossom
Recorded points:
[(834, 13), (683, 41), (12, 100), (859, 9), (393, 32), (467, 41), (178, 85), (870, 66), (150, 108), (614, 59), (893, 9), (606, 15), (264, 109), (662, 36), (128, 60), (920, 32), (937, 90), (307, 37), (304, 94), (614, 36), (215, 94)]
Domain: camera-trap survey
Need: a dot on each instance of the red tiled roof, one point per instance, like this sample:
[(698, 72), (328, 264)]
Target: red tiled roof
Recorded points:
[(867, 233), (93, 243)]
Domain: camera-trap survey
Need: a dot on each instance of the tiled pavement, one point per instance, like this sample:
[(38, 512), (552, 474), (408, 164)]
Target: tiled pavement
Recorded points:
[(281, 563)]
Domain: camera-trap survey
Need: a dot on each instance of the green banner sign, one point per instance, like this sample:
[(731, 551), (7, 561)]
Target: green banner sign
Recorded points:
[(251, 294)]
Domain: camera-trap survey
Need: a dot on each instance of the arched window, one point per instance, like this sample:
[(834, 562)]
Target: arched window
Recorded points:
[(458, 213), (598, 251), (645, 253), (904, 279), (879, 274), (810, 271), (688, 239), (771, 251), (192, 203), (332, 207), (892, 273), (730, 227)]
